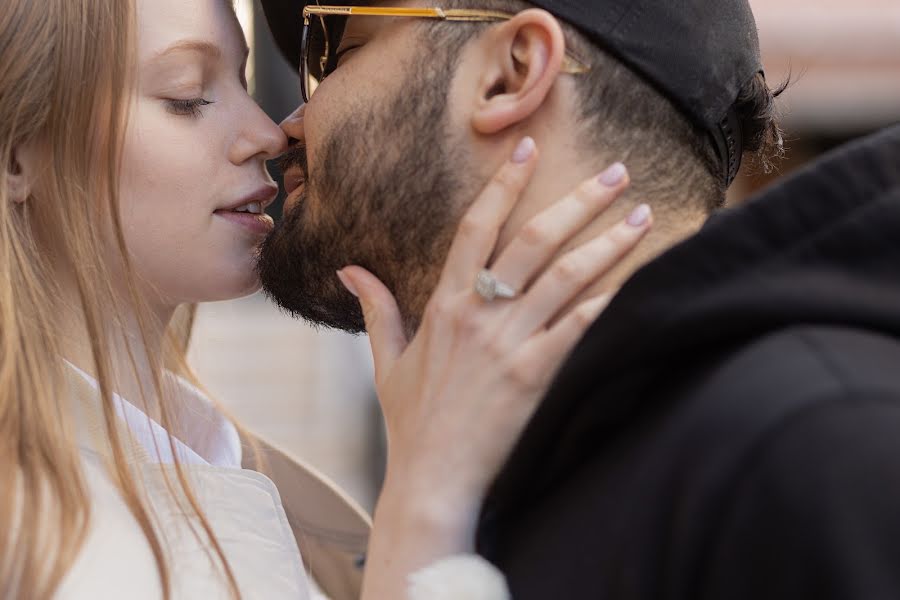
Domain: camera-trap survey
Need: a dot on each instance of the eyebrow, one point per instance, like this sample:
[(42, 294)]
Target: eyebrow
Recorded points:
[(201, 46)]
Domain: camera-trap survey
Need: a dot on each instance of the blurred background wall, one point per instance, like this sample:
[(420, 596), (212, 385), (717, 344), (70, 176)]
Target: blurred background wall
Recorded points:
[(843, 57), (310, 391)]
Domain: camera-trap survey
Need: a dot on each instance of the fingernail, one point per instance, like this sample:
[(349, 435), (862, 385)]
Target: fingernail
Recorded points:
[(523, 151), (613, 175), (347, 283), (639, 216)]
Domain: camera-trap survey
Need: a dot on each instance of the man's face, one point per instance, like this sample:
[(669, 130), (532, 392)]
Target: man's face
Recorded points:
[(378, 180)]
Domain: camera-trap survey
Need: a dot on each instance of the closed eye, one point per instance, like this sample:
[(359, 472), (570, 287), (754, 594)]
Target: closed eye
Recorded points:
[(187, 108)]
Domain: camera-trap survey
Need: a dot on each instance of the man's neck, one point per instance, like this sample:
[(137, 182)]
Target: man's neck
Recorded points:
[(561, 168)]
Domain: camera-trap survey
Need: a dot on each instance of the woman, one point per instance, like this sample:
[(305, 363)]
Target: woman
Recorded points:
[(132, 183)]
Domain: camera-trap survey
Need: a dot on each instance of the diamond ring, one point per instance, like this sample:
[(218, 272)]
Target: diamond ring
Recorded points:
[(489, 287)]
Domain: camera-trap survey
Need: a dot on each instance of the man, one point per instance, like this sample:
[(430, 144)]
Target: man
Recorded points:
[(421, 111), (728, 429)]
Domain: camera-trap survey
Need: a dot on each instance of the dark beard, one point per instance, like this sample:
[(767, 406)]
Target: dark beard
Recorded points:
[(384, 197)]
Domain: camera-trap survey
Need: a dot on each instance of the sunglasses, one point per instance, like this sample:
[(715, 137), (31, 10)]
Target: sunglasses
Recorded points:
[(323, 27)]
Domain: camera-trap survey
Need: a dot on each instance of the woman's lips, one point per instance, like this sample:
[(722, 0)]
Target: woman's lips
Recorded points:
[(259, 224), (249, 212)]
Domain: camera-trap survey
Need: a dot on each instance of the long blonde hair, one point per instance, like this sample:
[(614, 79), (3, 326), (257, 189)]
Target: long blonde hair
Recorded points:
[(66, 74)]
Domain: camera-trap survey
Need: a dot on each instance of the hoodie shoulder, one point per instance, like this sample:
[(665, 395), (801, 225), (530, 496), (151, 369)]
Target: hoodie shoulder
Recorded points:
[(716, 425), (813, 506), (782, 374), (803, 363)]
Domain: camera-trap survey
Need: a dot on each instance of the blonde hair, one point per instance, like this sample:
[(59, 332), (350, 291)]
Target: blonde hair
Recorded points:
[(65, 83)]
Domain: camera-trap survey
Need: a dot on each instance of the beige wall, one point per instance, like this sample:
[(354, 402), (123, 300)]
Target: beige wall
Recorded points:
[(843, 58), (307, 390)]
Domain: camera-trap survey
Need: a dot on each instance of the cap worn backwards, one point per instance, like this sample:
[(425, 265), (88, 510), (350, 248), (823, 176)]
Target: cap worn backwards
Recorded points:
[(698, 53)]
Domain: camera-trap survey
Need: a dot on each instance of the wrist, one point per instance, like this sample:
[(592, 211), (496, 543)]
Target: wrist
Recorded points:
[(412, 530), (439, 514)]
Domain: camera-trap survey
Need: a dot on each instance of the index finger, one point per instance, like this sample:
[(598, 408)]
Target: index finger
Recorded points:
[(479, 228)]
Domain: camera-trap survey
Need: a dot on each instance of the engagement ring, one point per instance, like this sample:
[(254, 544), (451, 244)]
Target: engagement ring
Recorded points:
[(489, 287)]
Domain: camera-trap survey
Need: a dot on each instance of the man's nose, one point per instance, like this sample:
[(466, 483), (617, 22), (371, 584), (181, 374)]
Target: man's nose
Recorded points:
[(292, 126)]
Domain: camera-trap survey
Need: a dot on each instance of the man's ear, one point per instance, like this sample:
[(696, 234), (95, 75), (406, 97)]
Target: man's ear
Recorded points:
[(17, 181), (524, 57)]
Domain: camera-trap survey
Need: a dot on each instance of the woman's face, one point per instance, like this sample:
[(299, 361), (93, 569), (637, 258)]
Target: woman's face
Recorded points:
[(194, 182)]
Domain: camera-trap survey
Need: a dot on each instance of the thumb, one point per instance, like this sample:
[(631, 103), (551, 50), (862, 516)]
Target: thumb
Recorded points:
[(383, 321)]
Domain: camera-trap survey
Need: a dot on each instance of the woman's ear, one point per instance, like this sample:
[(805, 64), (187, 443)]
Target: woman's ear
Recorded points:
[(523, 59), (17, 177)]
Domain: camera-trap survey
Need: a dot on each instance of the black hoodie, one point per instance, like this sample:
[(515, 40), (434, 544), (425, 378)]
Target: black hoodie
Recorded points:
[(730, 427)]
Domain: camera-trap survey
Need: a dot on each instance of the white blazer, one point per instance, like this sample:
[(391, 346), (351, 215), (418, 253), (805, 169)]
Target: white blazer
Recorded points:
[(257, 531)]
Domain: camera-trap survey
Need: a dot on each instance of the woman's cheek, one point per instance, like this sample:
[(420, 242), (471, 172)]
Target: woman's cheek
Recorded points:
[(157, 197)]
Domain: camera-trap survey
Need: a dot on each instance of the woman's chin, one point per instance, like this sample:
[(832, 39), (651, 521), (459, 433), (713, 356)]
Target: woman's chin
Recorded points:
[(241, 289), (229, 290), (206, 281), (251, 289)]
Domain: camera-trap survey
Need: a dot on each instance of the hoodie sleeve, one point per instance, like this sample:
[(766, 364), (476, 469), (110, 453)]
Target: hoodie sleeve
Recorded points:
[(817, 515)]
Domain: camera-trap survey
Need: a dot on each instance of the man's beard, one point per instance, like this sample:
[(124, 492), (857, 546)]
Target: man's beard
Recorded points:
[(385, 196)]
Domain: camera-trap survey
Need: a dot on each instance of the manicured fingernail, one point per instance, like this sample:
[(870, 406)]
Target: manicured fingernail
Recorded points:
[(347, 283), (523, 151), (613, 175), (639, 216)]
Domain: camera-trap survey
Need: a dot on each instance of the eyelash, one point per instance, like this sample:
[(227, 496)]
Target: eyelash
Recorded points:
[(187, 108)]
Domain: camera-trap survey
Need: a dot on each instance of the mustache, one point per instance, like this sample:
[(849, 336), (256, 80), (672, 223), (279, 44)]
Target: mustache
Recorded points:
[(294, 157)]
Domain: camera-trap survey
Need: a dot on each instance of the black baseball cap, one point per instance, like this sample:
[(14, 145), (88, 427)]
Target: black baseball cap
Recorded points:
[(698, 53)]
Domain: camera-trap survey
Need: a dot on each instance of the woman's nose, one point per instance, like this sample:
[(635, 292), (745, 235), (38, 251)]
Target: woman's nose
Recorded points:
[(260, 137)]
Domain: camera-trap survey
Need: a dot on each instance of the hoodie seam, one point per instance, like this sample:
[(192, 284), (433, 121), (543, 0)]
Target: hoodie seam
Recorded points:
[(825, 358)]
